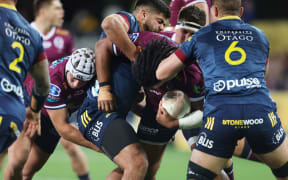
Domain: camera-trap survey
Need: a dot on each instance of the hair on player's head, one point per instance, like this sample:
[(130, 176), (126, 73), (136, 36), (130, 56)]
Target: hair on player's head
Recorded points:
[(192, 14), (228, 7), (155, 5), (144, 69)]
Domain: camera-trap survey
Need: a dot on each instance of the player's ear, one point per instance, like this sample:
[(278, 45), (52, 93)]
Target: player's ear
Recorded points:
[(241, 11), (144, 12)]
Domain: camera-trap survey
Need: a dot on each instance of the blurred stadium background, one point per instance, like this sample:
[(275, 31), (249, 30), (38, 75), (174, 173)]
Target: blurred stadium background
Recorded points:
[(83, 17)]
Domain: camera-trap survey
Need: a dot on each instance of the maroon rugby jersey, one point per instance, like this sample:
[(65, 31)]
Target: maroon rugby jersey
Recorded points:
[(57, 43), (176, 5), (60, 94), (189, 80)]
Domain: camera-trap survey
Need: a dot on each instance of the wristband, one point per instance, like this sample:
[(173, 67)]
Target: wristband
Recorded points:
[(40, 100), (192, 120), (104, 84)]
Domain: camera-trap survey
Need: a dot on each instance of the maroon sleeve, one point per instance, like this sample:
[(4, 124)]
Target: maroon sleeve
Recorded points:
[(179, 53), (42, 56)]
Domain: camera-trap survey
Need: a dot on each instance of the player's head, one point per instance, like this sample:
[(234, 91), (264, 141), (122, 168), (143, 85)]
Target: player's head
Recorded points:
[(151, 14), (80, 67), (222, 8), (51, 11), (190, 20), (144, 69)]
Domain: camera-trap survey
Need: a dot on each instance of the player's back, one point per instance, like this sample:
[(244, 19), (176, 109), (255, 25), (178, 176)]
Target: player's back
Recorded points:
[(233, 57), (20, 45)]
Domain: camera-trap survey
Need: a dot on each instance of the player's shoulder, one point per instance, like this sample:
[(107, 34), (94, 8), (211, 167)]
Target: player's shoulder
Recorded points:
[(62, 31), (57, 70), (125, 13)]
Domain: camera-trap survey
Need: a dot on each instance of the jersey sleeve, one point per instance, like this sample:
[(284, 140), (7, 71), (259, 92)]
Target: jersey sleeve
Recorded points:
[(186, 52), (56, 97), (133, 37), (41, 55), (131, 21), (195, 82)]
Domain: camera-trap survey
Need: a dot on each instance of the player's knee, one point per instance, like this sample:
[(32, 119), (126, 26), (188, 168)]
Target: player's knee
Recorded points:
[(142, 162), (282, 171), (196, 172), (28, 172), (152, 170), (71, 149)]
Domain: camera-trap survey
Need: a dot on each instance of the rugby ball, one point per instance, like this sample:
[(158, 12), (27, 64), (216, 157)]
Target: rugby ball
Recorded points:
[(176, 103)]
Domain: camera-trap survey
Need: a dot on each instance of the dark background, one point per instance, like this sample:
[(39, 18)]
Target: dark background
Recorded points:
[(258, 9)]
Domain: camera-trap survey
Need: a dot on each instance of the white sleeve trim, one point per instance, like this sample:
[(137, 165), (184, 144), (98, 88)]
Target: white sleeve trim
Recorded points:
[(114, 49), (55, 107), (196, 99), (195, 2)]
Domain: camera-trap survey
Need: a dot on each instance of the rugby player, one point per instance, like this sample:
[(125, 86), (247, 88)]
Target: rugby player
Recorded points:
[(176, 6), (70, 77), (233, 58), (58, 42), (148, 15), (21, 52)]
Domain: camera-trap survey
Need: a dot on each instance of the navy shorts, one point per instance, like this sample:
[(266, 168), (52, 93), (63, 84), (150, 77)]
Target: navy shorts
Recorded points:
[(226, 124), (49, 136), (150, 131), (92, 122), (10, 129), (191, 135)]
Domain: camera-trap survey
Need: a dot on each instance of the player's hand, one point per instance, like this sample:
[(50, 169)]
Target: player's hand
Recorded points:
[(32, 123), (106, 99), (165, 119)]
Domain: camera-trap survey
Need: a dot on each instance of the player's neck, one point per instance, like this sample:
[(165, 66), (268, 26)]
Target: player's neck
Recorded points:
[(43, 27)]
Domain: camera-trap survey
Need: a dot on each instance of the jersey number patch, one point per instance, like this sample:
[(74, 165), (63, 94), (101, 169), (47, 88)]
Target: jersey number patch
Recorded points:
[(13, 65), (232, 48)]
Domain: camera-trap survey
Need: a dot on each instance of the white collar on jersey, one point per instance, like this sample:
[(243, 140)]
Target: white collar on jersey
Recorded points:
[(48, 35)]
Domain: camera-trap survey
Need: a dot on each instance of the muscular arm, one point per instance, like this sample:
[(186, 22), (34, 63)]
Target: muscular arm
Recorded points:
[(169, 68), (103, 53), (59, 119), (116, 29), (40, 74)]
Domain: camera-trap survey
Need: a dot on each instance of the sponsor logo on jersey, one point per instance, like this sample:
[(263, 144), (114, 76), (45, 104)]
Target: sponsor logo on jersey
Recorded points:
[(94, 131), (58, 61), (148, 130), (155, 92), (8, 87), (231, 35), (273, 119), (47, 44), (58, 42), (248, 83), (54, 90), (17, 33), (204, 141), (134, 36), (278, 135), (243, 124)]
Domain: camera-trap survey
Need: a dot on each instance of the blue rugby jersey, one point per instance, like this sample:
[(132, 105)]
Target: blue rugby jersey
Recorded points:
[(21, 46), (233, 57), (131, 21)]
